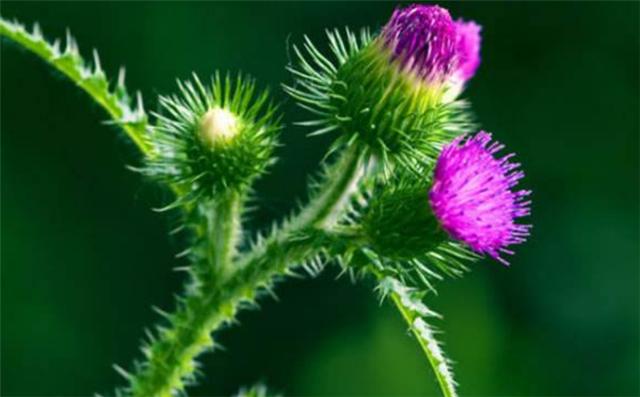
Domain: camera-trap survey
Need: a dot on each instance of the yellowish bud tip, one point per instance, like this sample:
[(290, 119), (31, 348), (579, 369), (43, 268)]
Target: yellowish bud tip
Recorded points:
[(218, 125)]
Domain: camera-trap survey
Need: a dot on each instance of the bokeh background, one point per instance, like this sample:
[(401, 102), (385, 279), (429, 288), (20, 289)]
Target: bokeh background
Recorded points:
[(84, 257)]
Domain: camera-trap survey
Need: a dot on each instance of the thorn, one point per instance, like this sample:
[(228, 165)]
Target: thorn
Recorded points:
[(183, 253), (121, 75), (269, 290), (146, 351), (161, 312), (18, 26), (71, 45), (293, 274), (122, 371), (149, 334), (37, 32), (140, 105), (84, 72), (97, 69), (55, 47)]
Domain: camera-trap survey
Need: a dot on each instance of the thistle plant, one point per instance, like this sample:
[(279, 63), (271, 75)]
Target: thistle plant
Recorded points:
[(409, 191)]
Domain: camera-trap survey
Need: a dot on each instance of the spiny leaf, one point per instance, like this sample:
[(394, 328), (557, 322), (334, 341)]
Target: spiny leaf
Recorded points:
[(416, 314), (90, 77)]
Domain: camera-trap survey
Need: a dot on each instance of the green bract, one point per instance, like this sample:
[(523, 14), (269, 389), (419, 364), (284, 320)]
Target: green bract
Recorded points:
[(400, 225), (213, 138), (402, 237), (374, 102)]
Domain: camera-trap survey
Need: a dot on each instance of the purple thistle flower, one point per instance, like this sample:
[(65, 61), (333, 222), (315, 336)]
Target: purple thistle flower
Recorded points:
[(423, 39), (473, 197), (468, 46)]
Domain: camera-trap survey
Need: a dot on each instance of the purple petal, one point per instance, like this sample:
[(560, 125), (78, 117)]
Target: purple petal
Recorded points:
[(473, 199)]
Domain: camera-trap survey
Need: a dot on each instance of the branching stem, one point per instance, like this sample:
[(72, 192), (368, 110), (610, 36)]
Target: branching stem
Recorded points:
[(171, 356)]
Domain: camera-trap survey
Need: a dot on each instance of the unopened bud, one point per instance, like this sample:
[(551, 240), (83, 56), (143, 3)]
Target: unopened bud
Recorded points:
[(218, 125)]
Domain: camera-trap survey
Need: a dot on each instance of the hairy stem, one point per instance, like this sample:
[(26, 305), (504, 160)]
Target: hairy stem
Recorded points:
[(424, 334), (341, 182), (414, 312), (223, 220), (93, 82), (170, 363)]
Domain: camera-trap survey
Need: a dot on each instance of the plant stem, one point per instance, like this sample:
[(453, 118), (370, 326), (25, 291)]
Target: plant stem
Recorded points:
[(223, 221), (341, 181), (446, 385), (93, 83), (413, 311), (170, 357)]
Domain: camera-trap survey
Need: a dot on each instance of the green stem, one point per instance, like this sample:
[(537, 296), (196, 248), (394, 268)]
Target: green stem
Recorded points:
[(341, 181), (443, 375), (170, 358), (93, 82), (116, 103), (413, 311), (223, 220)]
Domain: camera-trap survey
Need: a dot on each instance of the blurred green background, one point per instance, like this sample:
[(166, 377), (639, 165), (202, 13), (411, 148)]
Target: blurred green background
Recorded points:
[(84, 258)]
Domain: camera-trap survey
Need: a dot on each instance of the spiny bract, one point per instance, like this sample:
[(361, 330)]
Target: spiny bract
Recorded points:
[(389, 93), (212, 138)]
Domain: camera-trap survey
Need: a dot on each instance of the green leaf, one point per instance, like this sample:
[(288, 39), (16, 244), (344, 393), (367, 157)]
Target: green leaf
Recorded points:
[(417, 315), (131, 117)]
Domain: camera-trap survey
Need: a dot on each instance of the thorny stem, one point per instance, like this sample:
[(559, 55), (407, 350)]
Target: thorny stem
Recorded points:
[(340, 183), (427, 342), (208, 310), (223, 224), (445, 385), (69, 67), (167, 367)]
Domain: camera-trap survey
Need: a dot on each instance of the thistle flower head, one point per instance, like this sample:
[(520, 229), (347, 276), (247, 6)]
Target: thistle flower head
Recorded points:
[(423, 38), (213, 137), (468, 47), (394, 94), (403, 234), (473, 195)]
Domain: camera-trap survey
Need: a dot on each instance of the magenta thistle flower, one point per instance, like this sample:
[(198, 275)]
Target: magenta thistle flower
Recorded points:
[(468, 47), (473, 195), (423, 39)]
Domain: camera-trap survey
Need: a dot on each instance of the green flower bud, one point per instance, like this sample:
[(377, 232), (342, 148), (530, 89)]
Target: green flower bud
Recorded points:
[(399, 224), (371, 98), (401, 235), (384, 106), (218, 126), (213, 138)]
